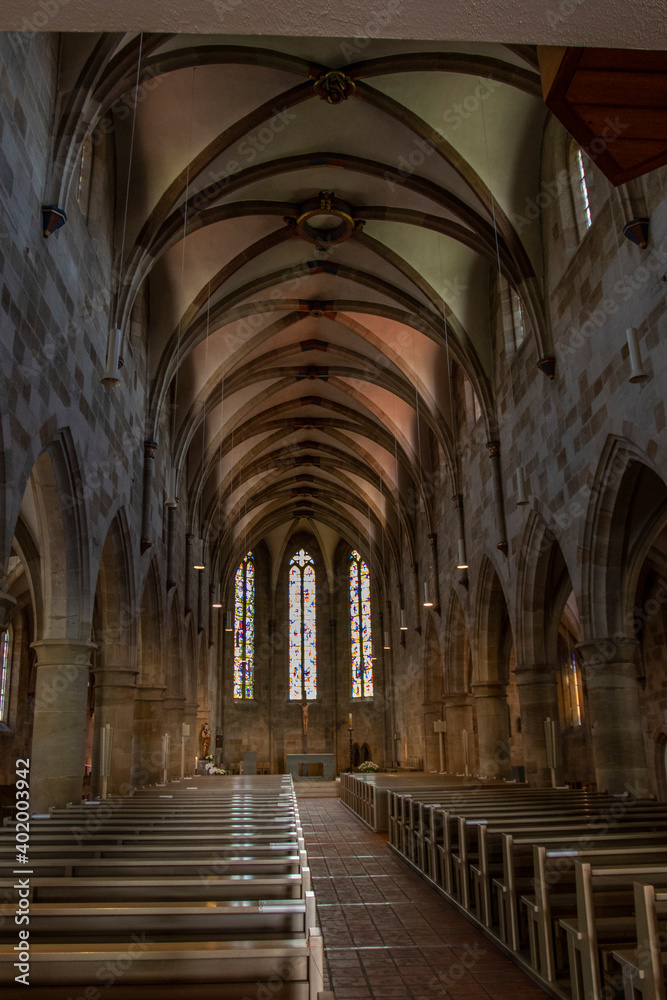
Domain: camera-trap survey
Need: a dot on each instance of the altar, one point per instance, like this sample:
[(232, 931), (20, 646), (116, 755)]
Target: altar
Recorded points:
[(311, 766)]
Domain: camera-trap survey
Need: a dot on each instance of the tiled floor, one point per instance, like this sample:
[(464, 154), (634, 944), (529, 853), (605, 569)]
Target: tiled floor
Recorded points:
[(387, 933)]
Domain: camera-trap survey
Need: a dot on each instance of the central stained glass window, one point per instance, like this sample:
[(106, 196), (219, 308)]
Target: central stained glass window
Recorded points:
[(360, 628), (302, 642), (244, 629)]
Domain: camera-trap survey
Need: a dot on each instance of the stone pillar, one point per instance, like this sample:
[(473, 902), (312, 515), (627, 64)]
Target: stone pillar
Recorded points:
[(494, 455), (173, 724), (619, 754), (458, 716), (59, 729), (148, 730), (191, 741), (150, 447), (538, 699), (493, 731), (114, 706), (171, 534), (433, 539), (418, 598)]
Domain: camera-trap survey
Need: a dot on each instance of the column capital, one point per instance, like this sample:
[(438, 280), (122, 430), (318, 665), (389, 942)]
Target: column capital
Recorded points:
[(538, 673), (109, 676), (460, 700), (490, 689), (150, 692), (494, 448), (73, 652), (174, 702), (618, 649)]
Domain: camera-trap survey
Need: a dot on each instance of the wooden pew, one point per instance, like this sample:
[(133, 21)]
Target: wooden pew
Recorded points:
[(200, 887), (644, 968), (144, 962), (554, 901), (483, 841), (105, 921), (605, 919), (157, 863), (175, 890), (518, 870)]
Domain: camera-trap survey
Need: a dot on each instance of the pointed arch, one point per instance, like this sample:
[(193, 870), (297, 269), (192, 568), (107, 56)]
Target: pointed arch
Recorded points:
[(627, 509), (361, 636), (302, 619), (493, 628), (458, 653)]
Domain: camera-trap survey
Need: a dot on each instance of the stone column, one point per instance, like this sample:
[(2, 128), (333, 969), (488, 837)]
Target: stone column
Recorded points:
[(148, 730), (494, 455), (418, 598), (433, 539), (114, 706), (59, 728), (538, 698), (173, 724), (458, 716), (619, 754), (191, 741), (150, 447), (493, 732), (171, 534)]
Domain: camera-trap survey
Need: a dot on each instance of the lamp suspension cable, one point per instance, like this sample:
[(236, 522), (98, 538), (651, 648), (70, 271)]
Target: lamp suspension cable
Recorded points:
[(404, 624), (462, 562), (428, 603)]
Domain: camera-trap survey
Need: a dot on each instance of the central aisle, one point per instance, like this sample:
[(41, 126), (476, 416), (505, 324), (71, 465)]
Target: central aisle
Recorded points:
[(387, 934)]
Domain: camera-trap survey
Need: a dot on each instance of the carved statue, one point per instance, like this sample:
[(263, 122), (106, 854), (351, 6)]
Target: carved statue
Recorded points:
[(304, 716), (204, 740)]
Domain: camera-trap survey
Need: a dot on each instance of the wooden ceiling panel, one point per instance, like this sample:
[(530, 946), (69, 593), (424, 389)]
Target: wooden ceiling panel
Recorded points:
[(614, 103)]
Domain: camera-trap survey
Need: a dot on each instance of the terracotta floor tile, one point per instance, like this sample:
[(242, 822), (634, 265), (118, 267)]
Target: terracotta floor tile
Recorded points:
[(418, 946)]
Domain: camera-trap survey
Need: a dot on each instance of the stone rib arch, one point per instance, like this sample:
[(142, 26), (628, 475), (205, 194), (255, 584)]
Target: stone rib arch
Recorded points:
[(61, 503), (606, 543)]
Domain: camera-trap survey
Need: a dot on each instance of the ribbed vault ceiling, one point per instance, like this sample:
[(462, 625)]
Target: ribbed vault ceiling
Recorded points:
[(299, 380)]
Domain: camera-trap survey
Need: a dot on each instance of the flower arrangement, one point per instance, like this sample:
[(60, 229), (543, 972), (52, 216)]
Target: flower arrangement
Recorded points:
[(211, 767), (368, 767)]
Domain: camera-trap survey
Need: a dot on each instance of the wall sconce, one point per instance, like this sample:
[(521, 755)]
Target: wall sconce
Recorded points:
[(198, 562), (637, 373), (521, 496), (171, 499), (428, 603), (463, 562), (114, 360)]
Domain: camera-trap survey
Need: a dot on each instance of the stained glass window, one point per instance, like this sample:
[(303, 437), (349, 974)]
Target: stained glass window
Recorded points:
[(360, 628), (244, 628), (302, 641), (5, 673), (583, 190)]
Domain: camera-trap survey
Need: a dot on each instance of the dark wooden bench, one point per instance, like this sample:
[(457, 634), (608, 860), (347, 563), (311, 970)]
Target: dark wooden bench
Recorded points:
[(644, 968)]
